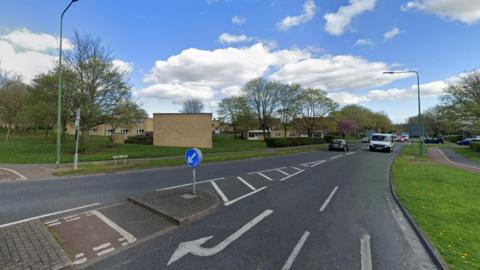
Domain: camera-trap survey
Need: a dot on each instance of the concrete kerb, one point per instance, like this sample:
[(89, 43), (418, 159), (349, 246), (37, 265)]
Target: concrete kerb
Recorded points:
[(434, 255)]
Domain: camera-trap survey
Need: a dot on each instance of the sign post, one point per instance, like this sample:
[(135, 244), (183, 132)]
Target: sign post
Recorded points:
[(193, 158), (77, 128)]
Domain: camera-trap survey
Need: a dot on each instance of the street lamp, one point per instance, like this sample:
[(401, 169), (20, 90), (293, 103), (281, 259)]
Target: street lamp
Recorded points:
[(420, 122), (59, 94)]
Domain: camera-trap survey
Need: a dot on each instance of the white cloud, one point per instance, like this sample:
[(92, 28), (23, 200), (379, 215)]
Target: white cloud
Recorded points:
[(213, 74), (338, 22), (238, 20), (346, 98), (40, 42), (364, 42), (392, 33), (307, 14), (467, 11), (122, 66), (227, 38)]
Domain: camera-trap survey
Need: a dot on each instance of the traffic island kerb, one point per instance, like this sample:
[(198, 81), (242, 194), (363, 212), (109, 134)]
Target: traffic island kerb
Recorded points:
[(179, 206)]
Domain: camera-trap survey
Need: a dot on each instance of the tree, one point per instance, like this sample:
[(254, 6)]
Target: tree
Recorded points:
[(314, 104), (347, 126), (235, 111), (98, 87), (289, 100), (262, 96), (463, 98), (125, 114), (192, 105), (13, 96)]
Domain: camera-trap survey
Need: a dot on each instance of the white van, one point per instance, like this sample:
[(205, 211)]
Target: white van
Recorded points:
[(382, 142)]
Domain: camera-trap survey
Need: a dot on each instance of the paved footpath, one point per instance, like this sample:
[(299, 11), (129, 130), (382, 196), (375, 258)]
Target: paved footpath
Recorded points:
[(449, 157)]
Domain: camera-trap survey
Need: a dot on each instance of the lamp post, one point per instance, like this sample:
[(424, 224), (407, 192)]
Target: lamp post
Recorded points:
[(420, 122), (59, 94)]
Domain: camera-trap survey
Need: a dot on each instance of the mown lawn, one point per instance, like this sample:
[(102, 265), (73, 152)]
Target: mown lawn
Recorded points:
[(468, 153), (445, 203), (31, 148)]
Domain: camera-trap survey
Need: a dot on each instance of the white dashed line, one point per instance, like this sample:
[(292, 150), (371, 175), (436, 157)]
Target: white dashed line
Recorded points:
[(51, 221), (298, 247), (72, 219), (246, 183), (54, 224), (105, 251), (325, 204), (365, 253), (350, 153), (79, 261), (79, 255), (219, 191), (102, 246)]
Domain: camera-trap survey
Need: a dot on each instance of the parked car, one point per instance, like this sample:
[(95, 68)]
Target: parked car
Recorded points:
[(468, 141), (400, 139), (382, 142), (365, 140), (337, 144), (434, 140)]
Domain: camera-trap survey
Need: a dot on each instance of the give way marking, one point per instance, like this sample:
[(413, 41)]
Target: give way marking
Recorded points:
[(194, 246)]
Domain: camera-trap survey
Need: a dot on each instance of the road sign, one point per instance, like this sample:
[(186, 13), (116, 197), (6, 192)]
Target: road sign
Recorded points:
[(417, 130), (77, 119), (193, 157)]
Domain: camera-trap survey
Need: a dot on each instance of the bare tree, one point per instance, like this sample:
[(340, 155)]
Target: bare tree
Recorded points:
[(13, 97), (315, 104), (192, 105), (235, 111), (98, 87), (289, 101), (262, 96)]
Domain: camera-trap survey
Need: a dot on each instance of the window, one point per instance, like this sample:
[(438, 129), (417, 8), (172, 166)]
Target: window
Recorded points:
[(94, 129), (252, 135), (109, 130), (140, 131)]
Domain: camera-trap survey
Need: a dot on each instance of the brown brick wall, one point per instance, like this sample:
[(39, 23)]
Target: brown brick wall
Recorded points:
[(182, 130)]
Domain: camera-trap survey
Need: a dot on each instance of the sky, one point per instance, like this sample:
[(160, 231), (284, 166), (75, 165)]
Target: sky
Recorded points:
[(208, 49)]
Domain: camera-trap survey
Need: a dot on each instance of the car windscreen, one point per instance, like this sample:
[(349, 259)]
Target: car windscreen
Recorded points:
[(380, 138)]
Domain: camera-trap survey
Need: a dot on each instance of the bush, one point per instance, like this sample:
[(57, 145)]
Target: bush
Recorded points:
[(286, 142), (140, 139), (329, 138), (475, 146), (453, 138)]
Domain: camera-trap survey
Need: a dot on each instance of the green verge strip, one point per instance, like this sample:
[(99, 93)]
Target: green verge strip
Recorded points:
[(445, 203)]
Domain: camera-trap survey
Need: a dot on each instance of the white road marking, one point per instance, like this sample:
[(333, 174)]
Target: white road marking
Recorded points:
[(194, 247), (105, 251), (72, 219), (288, 264), (54, 224), (264, 176), (291, 175), (124, 243), (79, 255), (318, 163), (268, 170), (48, 215), (121, 239), (130, 238), (185, 185), (71, 216), (244, 196), (102, 246), (296, 168), (325, 204), (334, 157), (313, 163), (284, 173), (365, 253), (219, 191), (350, 153), (22, 177), (246, 183), (51, 221), (80, 261)]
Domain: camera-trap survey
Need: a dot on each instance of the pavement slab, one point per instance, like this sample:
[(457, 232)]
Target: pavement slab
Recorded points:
[(180, 209), (29, 246)]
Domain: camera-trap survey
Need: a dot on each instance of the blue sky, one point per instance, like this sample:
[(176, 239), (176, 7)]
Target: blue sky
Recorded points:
[(201, 50)]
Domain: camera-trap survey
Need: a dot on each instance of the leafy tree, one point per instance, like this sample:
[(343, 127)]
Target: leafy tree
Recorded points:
[(125, 114), (262, 96), (192, 105), (235, 111), (98, 87), (314, 104), (289, 104), (13, 97)]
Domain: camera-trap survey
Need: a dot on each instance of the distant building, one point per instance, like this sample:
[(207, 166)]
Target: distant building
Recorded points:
[(142, 127)]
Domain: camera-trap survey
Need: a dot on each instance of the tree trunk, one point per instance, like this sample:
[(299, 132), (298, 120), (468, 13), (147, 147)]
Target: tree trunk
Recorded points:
[(82, 147), (46, 133), (63, 131), (7, 136)]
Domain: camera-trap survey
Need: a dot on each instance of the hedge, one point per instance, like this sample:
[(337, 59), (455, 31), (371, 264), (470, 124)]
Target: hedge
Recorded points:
[(286, 142), (475, 146), (453, 138), (140, 139)]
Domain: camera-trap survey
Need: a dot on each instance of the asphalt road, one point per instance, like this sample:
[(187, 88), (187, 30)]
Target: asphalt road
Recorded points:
[(337, 215)]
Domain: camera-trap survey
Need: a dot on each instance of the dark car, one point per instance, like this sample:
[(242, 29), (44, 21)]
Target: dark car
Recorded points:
[(338, 145), (433, 140), (468, 141)]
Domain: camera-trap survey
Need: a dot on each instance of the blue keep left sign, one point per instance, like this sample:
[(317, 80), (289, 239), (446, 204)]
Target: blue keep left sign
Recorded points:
[(193, 157)]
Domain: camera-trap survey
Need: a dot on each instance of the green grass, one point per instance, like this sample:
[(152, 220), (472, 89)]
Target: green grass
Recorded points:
[(468, 153), (445, 203), (90, 168), (31, 148)]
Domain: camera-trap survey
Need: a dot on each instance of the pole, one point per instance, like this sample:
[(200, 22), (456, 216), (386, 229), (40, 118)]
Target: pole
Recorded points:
[(194, 181), (78, 133), (59, 94), (420, 122)]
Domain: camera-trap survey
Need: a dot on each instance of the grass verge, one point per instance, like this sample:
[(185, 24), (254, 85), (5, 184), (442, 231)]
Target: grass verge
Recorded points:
[(444, 202), (468, 153), (91, 168)]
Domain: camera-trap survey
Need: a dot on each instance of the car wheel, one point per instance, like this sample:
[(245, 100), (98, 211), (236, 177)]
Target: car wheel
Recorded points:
[(344, 149), (371, 149)]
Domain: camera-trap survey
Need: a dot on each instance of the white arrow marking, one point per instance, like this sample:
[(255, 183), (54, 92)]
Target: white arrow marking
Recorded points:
[(190, 158), (194, 246)]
